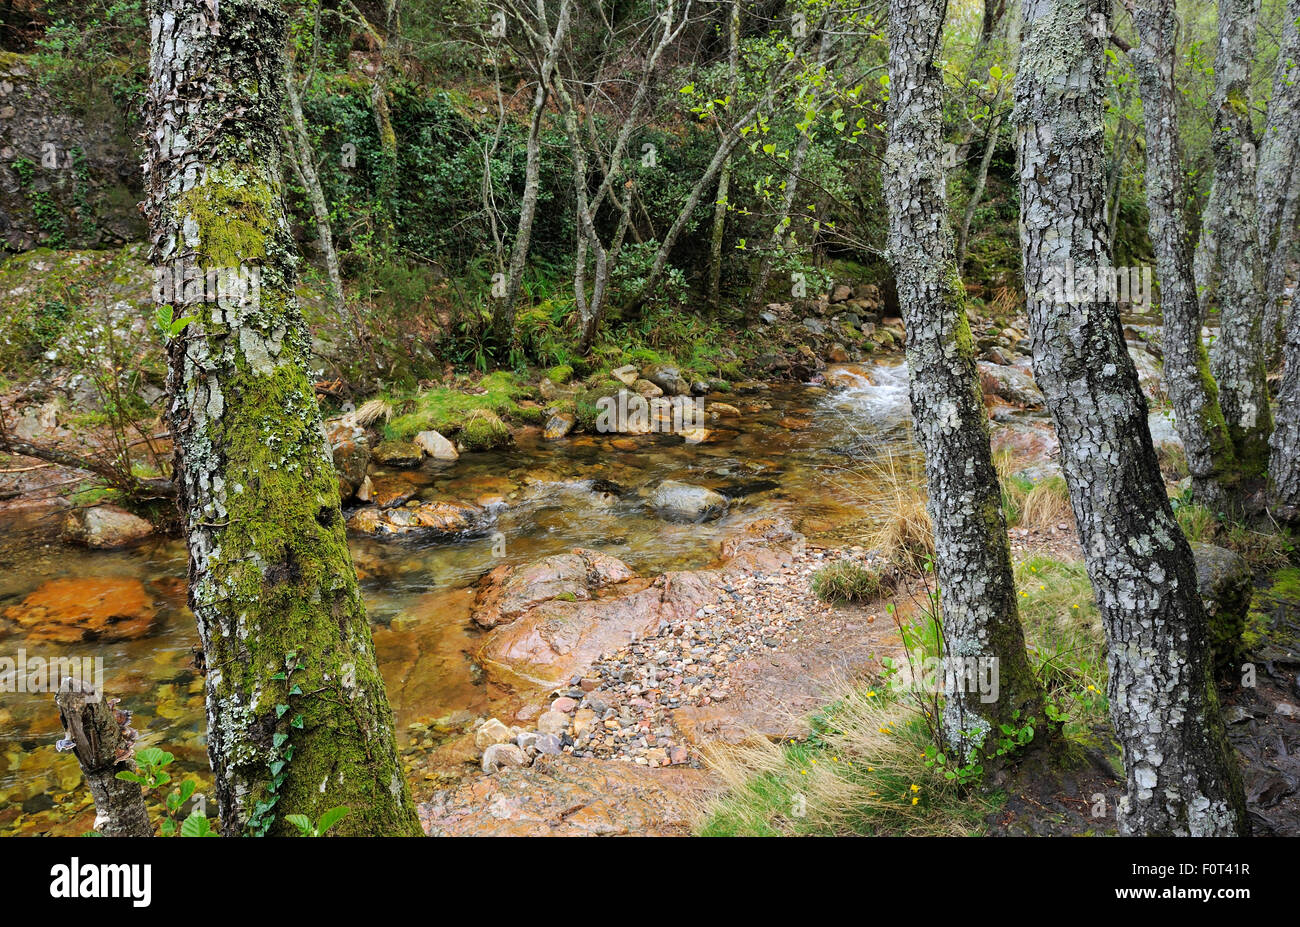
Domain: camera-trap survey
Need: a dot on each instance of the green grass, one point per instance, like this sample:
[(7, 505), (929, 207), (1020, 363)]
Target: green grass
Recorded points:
[(843, 581)]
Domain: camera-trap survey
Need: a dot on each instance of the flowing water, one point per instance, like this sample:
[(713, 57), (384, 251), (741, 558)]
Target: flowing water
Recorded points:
[(792, 453)]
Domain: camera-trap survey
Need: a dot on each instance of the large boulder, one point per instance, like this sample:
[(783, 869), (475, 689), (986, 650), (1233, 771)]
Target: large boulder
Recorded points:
[(508, 592), (104, 527), (436, 446), (677, 501), (1226, 585)]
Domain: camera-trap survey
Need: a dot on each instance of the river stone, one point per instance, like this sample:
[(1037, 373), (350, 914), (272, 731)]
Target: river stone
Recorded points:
[(351, 458), (491, 732), (93, 608), (626, 375), (1226, 586), (1011, 384), (401, 454), (436, 519), (499, 755), (668, 378), (646, 389), (105, 527), (558, 426), (509, 591), (436, 446), (552, 722), (549, 744), (678, 501)]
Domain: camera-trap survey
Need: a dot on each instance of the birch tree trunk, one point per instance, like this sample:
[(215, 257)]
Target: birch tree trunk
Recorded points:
[(503, 317), (1191, 386), (1237, 356), (1182, 774), (298, 719), (1284, 464), (1274, 184), (972, 554)]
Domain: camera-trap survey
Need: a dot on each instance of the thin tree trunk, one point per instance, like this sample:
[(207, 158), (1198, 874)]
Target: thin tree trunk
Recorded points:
[(1284, 463), (1182, 774), (1237, 357), (102, 744), (1187, 376), (972, 554), (298, 719), (304, 165), (724, 176), (1273, 182), (990, 146), (503, 317)]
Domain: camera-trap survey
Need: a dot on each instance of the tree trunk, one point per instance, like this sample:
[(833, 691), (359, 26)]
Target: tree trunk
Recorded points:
[(504, 316), (1182, 774), (1237, 357), (304, 164), (1284, 464), (1187, 375), (298, 719), (990, 146), (1274, 181), (724, 176), (972, 555)]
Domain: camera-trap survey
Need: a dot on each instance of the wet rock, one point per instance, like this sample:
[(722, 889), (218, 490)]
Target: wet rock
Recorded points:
[(837, 354), (351, 458), (558, 426), (646, 389), (98, 608), (104, 527), (437, 519), (1226, 586), (499, 755), (1011, 384), (847, 376), (436, 446), (399, 454), (723, 409), (678, 501), (508, 591), (388, 491)]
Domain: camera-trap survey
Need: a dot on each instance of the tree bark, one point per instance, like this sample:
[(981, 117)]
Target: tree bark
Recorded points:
[(1274, 184), (1182, 775), (1237, 357), (724, 175), (1191, 386), (298, 719), (972, 554), (98, 736)]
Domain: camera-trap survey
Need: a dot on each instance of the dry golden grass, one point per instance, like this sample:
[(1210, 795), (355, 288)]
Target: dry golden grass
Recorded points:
[(863, 772), (895, 496), (370, 412), (1029, 504)]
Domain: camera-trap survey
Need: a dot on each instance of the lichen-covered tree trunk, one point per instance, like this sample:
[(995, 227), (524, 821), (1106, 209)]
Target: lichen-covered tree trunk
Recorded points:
[(972, 554), (1191, 386), (1237, 356), (1182, 775), (1278, 159), (1284, 464), (298, 720)]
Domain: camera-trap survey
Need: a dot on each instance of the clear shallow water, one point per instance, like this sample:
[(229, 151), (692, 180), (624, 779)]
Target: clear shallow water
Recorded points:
[(791, 453)]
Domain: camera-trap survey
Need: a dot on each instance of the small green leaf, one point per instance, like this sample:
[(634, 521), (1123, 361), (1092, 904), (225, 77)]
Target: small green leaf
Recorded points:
[(196, 825)]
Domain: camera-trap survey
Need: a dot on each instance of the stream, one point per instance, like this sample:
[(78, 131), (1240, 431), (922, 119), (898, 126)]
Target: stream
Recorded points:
[(792, 453)]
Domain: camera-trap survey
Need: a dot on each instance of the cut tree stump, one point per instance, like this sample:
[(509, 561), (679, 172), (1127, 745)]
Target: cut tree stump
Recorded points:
[(99, 736)]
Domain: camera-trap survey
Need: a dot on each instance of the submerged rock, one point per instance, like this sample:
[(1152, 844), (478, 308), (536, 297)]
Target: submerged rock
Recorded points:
[(98, 608), (677, 501), (510, 591), (449, 519)]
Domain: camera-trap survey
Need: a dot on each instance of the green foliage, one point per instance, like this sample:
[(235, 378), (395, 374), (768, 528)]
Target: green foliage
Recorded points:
[(150, 774), (844, 581), (327, 820)]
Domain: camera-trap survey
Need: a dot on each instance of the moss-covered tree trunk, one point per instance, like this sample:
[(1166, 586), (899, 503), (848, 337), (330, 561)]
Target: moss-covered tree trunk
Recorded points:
[(298, 720), (972, 554), (1191, 386), (1182, 774), (1237, 356), (1275, 186)]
